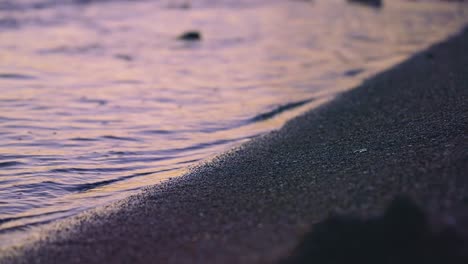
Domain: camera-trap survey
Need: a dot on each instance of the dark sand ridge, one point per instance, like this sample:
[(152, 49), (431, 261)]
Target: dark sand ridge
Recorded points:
[(403, 131)]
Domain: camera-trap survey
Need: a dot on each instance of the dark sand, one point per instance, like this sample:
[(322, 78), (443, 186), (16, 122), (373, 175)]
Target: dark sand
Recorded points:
[(404, 131)]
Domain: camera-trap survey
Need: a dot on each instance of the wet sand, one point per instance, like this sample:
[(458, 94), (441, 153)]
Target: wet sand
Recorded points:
[(401, 132)]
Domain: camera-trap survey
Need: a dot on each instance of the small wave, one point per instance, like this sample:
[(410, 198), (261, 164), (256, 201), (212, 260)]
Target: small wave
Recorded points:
[(7, 156), (96, 170), (119, 138), (188, 161), (93, 185), (20, 5), (353, 72), (16, 76), (279, 110), (9, 219), (112, 152), (83, 139), (92, 101), (7, 119), (72, 49), (127, 160), (95, 121), (9, 23), (10, 164), (15, 6), (30, 127), (157, 132), (34, 223), (45, 187), (127, 82), (202, 145), (363, 37)]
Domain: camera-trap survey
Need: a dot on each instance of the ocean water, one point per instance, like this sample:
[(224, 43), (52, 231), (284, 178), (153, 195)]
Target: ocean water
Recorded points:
[(99, 98)]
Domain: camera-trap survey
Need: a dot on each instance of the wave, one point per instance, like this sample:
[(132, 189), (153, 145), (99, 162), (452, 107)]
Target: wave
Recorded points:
[(279, 110)]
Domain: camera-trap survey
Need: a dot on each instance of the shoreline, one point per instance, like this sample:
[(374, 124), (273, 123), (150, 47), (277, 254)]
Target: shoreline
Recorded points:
[(400, 132)]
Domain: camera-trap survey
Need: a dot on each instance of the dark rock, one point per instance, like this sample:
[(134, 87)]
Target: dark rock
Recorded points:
[(190, 36), (371, 3), (403, 234)]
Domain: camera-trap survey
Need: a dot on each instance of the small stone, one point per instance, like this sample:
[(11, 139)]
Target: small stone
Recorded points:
[(360, 150), (190, 36), (371, 3), (124, 57)]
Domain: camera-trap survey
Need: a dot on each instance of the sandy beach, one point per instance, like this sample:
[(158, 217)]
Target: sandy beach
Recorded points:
[(402, 132)]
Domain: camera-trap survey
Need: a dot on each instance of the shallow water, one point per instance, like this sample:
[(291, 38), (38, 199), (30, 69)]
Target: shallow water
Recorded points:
[(99, 98)]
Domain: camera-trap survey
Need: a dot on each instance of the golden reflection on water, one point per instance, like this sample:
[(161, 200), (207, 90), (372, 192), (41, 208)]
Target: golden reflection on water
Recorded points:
[(100, 100)]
